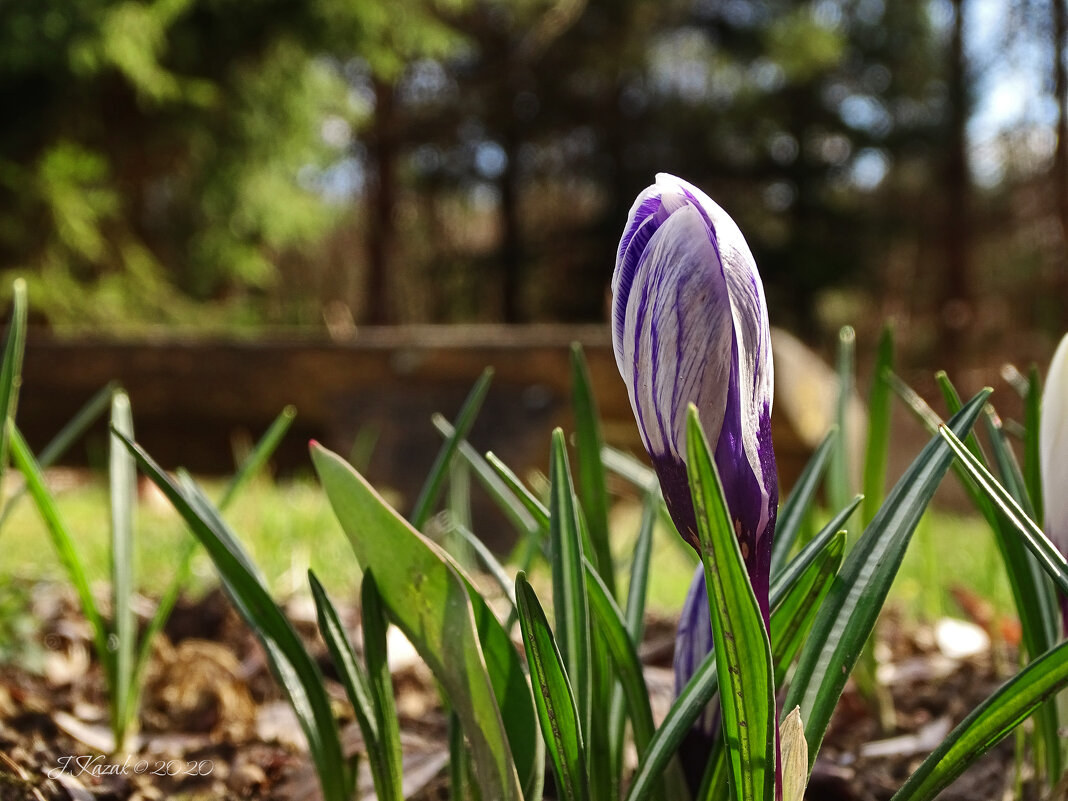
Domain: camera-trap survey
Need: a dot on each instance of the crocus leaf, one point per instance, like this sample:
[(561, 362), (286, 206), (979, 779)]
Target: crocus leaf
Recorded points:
[(447, 621), (11, 367), (560, 721), (71, 432), (689, 705), (847, 616), (798, 503), (1047, 554), (839, 482), (506, 500), (988, 724), (791, 620), (878, 446), (431, 491), (122, 481), (380, 683), (569, 578), (354, 679), (62, 540), (294, 669), (534, 506), (593, 495), (1033, 444), (743, 652)]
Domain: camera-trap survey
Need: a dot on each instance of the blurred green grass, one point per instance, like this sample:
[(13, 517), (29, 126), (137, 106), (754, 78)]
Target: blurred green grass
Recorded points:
[(288, 527)]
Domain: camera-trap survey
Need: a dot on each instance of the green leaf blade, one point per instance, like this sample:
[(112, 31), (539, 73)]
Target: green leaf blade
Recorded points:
[(560, 720), (743, 651), (847, 616)]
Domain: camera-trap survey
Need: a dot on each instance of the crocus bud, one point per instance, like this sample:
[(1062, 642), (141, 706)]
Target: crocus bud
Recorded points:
[(690, 324), (1053, 453)]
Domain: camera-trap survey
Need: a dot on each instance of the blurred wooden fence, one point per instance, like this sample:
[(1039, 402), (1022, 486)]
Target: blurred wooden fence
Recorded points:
[(192, 397)]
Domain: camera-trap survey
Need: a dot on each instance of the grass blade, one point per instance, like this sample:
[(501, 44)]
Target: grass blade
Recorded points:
[(294, 669), (988, 724), (848, 615), (877, 450), (122, 477), (593, 494), (431, 491), (747, 691), (561, 725), (449, 624), (792, 512)]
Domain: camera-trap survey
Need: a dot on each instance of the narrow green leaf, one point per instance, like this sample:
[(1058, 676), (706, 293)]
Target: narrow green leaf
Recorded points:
[(253, 463), (431, 491), (357, 687), (122, 477), (517, 514), (11, 367), (71, 432), (793, 510), (610, 626), (593, 494), (792, 619), (259, 455), (688, 706), (839, 479), (813, 550), (1032, 460), (68, 555), (988, 724), (533, 506), (485, 555), (629, 468), (1047, 554), (878, 447), (634, 620), (561, 725), (569, 578), (847, 616), (638, 586), (743, 652), (448, 622), (380, 683), (295, 670)]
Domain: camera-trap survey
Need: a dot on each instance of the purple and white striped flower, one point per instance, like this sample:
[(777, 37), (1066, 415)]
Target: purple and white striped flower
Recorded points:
[(690, 324), (1053, 454)]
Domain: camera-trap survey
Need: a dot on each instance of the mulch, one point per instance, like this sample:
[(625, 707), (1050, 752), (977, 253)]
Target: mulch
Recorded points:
[(214, 725)]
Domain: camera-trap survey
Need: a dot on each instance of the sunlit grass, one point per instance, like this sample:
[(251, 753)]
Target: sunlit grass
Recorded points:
[(288, 526)]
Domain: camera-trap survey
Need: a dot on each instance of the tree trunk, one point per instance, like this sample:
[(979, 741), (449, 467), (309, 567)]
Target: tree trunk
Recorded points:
[(1060, 158), (380, 234), (955, 312)]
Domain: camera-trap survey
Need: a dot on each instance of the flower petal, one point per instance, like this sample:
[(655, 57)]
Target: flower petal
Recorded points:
[(1053, 447)]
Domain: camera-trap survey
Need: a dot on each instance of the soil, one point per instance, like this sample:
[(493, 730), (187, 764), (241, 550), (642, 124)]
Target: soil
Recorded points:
[(213, 724)]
